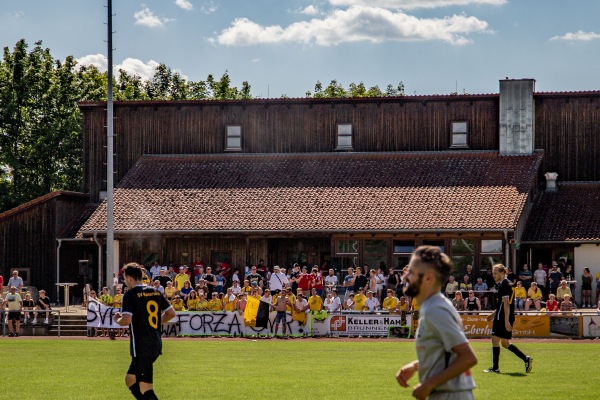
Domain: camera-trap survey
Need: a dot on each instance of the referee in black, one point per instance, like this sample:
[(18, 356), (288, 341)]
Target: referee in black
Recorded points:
[(503, 319), (144, 309)]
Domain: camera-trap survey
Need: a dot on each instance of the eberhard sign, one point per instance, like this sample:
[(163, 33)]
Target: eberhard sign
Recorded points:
[(524, 326)]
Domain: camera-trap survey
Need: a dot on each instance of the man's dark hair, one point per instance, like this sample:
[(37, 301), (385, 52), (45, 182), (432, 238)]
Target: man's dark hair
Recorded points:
[(133, 270), (439, 262)]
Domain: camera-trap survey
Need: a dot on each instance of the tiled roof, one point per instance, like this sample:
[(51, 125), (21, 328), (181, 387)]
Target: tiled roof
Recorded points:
[(322, 192), (569, 215)]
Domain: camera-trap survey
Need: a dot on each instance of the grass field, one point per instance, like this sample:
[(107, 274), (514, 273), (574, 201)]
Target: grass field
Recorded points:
[(292, 369)]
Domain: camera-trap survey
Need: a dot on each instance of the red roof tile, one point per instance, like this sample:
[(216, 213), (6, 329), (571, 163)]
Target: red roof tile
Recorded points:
[(568, 215), (322, 192)]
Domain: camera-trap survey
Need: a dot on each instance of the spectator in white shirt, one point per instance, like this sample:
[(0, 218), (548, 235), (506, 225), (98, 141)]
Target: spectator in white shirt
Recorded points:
[(333, 302), (278, 280), (372, 303)]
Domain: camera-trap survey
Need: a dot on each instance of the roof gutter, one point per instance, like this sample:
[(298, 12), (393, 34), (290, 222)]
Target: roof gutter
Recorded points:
[(597, 241)]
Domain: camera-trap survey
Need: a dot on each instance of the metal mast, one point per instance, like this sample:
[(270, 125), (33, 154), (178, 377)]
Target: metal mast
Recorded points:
[(110, 202)]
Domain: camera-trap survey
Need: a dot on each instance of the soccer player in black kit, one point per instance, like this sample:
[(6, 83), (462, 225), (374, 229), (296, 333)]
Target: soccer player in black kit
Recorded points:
[(503, 318), (144, 309)]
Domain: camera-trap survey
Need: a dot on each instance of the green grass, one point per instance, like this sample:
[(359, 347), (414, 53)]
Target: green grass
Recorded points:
[(293, 369)]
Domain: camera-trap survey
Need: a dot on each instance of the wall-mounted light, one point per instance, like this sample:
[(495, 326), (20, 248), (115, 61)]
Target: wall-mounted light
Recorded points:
[(185, 254)]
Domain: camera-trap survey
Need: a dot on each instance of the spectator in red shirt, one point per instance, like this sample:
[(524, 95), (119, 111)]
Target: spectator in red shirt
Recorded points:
[(305, 280), (317, 281)]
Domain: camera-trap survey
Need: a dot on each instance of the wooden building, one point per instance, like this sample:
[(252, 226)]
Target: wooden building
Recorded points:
[(343, 181)]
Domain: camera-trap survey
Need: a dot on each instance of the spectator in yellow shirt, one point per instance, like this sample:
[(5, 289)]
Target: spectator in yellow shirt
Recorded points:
[(360, 300), (215, 304), (315, 302), (229, 300), (390, 302)]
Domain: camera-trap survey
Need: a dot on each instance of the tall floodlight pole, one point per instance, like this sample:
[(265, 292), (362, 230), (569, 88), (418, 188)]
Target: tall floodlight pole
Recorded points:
[(110, 201)]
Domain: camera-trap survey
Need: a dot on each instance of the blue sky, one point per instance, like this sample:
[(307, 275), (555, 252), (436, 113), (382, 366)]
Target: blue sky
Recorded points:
[(285, 47)]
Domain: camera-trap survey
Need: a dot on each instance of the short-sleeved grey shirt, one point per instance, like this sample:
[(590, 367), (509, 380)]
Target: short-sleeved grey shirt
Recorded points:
[(440, 329)]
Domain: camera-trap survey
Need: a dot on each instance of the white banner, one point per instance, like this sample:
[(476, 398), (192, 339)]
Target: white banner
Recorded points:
[(200, 323), (358, 324), (591, 326)]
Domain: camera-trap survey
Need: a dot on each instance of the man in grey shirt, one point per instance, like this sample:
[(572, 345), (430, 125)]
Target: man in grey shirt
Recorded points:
[(444, 354), (15, 280)]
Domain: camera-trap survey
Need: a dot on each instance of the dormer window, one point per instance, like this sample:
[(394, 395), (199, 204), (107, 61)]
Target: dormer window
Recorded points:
[(344, 137), (459, 135), (233, 138)]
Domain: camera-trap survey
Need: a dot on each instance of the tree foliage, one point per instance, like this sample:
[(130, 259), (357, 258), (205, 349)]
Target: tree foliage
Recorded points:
[(336, 90)]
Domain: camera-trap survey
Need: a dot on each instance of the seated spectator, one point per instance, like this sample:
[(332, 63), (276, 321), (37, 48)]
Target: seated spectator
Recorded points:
[(240, 304), (155, 283), (534, 297), (458, 302), (202, 287), (391, 301), (551, 305), (192, 301), (472, 303), (236, 288), (566, 306), (350, 302), (520, 297), (300, 309), (185, 290), (177, 303), (292, 297), (215, 304), (451, 287), (202, 304), (333, 302), (562, 290), (372, 303), (170, 291), (359, 300), (229, 300), (246, 288), (28, 306), (402, 308), (480, 288), (465, 286), (43, 304)]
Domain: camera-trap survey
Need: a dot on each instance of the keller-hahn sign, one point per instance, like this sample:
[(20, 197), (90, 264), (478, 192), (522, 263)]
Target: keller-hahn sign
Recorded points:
[(198, 323), (358, 324)]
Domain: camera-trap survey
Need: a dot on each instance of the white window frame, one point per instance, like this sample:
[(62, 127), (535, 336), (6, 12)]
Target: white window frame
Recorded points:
[(459, 135), (344, 136), (232, 133)]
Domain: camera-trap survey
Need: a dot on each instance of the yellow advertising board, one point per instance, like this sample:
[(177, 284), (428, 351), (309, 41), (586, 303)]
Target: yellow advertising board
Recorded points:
[(476, 326)]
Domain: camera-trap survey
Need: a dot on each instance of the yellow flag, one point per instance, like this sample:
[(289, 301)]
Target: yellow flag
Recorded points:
[(251, 311)]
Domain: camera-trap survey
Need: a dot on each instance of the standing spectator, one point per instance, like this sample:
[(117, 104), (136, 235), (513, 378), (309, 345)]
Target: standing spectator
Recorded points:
[(1, 284), (372, 303), (240, 304), (181, 278), (597, 286), (331, 280), (444, 355), (391, 301), (144, 311), (534, 296), (281, 304), (554, 278), (236, 276), (155, 270), (520, 297), (278, 280), (348, 284), (290, 295), (503, 318), (15, 280), (451, 287), (372, 285), (15, 305), (392, 281), (526, 277), (221, 281), (586, 288), (403, 308), (305, 281), (333, 302), (360, 281), (171, 270), (145, 277), (43, 304), (488, 278), (198, 266), (570, 277), (481, 288), (511, 276), (106, 298), (163, 278), (470, 273), (315, 302), (294, 275), (472, 303), (254, 277), (299, 310), (380, 282), (540, 278), (317, 280)]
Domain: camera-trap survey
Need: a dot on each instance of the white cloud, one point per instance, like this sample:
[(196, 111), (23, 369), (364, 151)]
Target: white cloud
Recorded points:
[(579, 36), (15, 14), (413, 4), (356, 24), (255, 60), (308, 10), (208, 7), (145, 17), (185, 4), (132, 66)]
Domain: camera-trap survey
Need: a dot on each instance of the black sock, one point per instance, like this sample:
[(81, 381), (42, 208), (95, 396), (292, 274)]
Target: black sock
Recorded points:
[(149, 395), (496, 356), (135, 391), (517, 352)]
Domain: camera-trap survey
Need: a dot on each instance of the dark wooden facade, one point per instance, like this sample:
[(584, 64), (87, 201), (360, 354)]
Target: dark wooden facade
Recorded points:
[(28, 239), (281, 126)]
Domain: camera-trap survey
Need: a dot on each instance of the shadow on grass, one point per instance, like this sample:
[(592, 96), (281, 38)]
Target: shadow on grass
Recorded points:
[(515, 374)]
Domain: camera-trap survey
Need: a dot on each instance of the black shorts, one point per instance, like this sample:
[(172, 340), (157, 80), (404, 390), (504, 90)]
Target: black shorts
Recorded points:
[(142, 368), (499, 329), (280, 317), (14, 315)]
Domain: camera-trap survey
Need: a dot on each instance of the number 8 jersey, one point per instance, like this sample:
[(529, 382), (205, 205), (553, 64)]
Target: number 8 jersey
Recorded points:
[(145, 305)]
